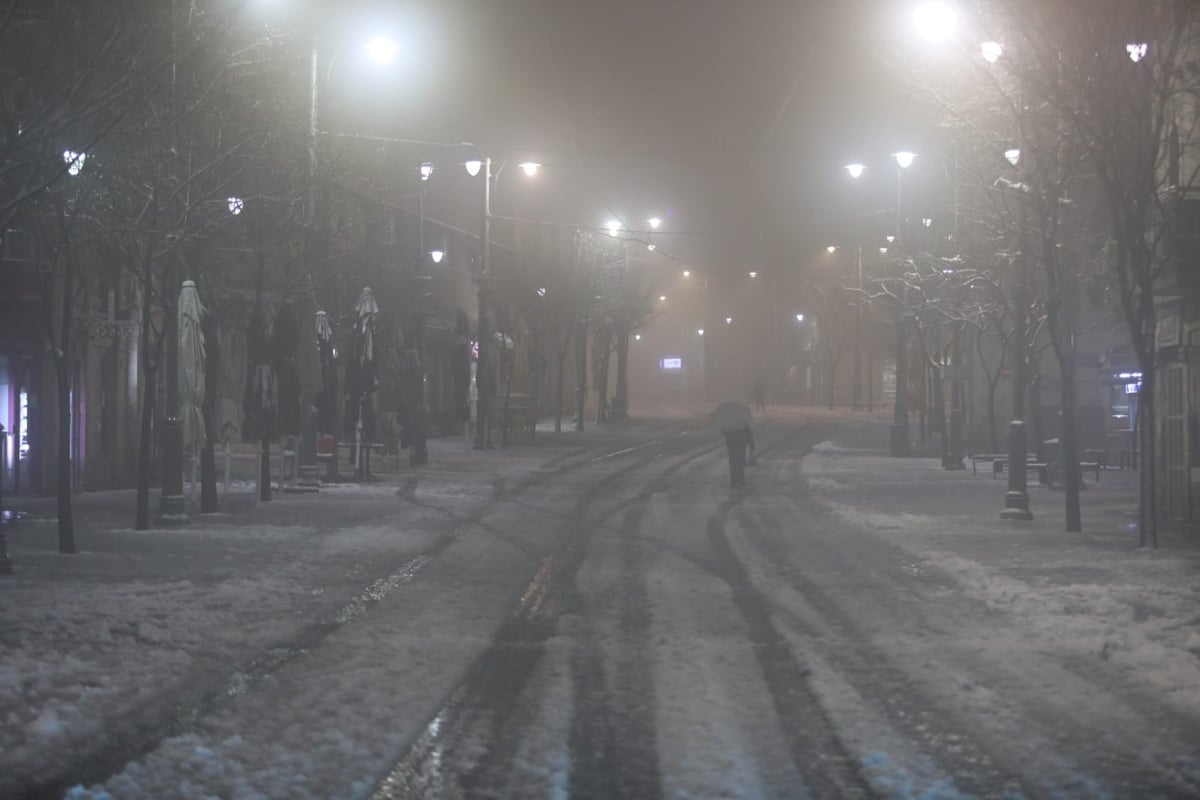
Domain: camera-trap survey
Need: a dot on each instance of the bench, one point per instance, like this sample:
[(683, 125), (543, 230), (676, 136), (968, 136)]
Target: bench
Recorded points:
[(1031, 463), (975, 459)]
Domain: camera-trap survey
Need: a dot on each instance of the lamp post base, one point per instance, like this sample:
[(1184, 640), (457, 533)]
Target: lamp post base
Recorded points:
[(1016, 506), (899, 440)]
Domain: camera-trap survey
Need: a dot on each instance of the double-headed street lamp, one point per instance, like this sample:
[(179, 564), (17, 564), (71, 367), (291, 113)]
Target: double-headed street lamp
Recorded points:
[(483, 379), (899, 434)]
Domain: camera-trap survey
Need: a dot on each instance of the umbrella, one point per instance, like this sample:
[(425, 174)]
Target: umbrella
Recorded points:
[(730, 416), (326, 397), (191, 366)]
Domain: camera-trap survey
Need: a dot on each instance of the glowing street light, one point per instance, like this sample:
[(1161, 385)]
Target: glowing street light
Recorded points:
[(935, 21), (831, 248), (651, 247), (905, 158), (662, 298), (856, 170), (753, 274), (613, 226), (473, 166), (729, 320), (654, 222), (1012, 155), (799, 318), (700, 331), (991, 51), (426, 170), (883, 251), (74, 161), (637, 337), (541, 291), (890, 238), (687, 273), (236, 205), (382, 49), (530, 168), (437, 255), (1137, 51)]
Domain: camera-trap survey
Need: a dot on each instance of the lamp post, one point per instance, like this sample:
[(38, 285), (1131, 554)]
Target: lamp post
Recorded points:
[(899, 432), (1016, 499), (855, 171)]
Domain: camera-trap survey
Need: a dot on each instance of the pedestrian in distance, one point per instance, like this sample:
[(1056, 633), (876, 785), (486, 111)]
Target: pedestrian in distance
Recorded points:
[(760, 395), (737, 444), (733, 420)]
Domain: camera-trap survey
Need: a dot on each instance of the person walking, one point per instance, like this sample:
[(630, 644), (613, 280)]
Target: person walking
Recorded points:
[(760, 395), (737, 443)]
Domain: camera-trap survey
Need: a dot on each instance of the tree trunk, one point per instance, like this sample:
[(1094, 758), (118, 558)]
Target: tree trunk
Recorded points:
[(62, 374), (1070, 441), (580, 373), (145, 434), (832, 376), (620, 408), (208, 461), (508, 380), (603, 351), (1147, 502), (558, 390)]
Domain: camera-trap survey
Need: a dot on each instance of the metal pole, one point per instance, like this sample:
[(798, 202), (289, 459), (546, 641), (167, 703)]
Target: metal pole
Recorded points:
[(858, 388), (899, 437), (1016, 499), (483, 432)]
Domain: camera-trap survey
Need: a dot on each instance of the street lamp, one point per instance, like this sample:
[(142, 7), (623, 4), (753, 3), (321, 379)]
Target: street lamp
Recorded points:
[(935, 21), (991, 51), (799, 318), (855, 170), (437, 256), (612, 226), (687, 273), (729, 320), (831, 248), (473, 166), (654, 222), (530, 168), (753, 274), (236, 205), (382, 49), (426, 169), (1012, 155), (904, 160)]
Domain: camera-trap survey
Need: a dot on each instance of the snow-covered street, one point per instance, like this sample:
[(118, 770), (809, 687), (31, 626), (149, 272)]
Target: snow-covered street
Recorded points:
[(601, 616)]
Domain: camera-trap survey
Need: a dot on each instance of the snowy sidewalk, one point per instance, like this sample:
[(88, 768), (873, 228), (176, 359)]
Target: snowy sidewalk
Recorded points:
[(1094, 593)]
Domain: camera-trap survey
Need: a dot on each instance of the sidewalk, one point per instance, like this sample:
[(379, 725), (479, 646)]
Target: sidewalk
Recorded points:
[(1095, 593)]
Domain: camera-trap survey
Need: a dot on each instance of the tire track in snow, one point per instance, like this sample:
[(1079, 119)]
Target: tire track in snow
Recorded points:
[(467, 746), (138, 733)]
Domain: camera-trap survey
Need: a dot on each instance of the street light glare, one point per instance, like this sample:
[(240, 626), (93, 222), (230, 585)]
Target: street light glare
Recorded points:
[(890, 237), (382, 49), (426, 170), (855, 170), (831, 248), (437, 256), (1137, 51), (1012, 155), (530, 168), (729, 320), (753, 274), (613, 226), (687, 273), (883, 251), (662, 298), (236, 205), (654, 222), (905, 158), (991, 51), (473, 166), (74, 161), (651, 247), (799, 318), (935, 21), (700, 331)]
